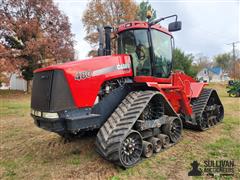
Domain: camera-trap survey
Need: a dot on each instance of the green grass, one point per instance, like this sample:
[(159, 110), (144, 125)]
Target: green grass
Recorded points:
[(224, 148), (74, 160), (14, 107), (152, 174), (79, 158), (10, 167), (231, 122), (115, 178), (6, 93), (14, 132)]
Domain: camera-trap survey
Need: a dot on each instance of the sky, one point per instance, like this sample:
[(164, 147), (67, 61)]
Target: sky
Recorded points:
[(207, 26)]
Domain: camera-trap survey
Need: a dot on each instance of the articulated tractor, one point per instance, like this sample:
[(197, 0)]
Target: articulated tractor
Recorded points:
[(132, 98)]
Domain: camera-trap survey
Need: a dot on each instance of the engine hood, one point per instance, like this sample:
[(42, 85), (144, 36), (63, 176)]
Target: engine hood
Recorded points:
[(85, 78), (88, 64)]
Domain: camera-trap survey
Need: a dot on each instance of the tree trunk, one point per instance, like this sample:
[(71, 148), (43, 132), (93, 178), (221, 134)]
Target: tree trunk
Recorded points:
[(29, 86)]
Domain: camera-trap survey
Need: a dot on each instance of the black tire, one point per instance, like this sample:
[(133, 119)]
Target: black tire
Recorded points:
[(147, 149), (203, 124), (131, 149), (173, 128), (157, 144), (164, 139)]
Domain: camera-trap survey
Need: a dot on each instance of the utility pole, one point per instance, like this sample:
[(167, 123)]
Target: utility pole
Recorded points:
[(234, 57)]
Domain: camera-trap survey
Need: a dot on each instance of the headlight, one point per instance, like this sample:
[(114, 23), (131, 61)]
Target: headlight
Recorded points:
[(37, 113), (50, 115)]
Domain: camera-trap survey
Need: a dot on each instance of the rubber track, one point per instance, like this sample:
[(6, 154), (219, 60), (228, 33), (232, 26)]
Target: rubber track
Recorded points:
[(118, 125), (201, 103)]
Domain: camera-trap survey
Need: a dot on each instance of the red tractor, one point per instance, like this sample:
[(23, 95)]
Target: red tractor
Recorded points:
[(134, 100)]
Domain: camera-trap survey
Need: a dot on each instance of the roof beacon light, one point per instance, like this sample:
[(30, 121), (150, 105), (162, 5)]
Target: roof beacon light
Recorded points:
[(149, 14)]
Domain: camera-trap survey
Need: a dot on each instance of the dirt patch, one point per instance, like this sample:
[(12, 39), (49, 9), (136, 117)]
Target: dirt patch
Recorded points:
[(13, 94)]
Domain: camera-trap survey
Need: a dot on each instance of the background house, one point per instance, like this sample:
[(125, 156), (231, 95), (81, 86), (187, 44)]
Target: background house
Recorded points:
[(203, 75), (213, 74), (16, 82)]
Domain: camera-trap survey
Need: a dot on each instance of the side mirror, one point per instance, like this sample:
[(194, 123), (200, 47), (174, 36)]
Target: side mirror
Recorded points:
[(175, 26)]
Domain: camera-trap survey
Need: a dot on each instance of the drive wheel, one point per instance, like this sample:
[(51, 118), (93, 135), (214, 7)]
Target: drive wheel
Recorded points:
[(220, 113), (173, 129), (203, 123), (131, 149), (154, 110)]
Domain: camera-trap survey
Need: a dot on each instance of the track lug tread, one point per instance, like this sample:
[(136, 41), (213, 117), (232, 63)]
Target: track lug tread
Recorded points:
[(120, 123), (200, 105)]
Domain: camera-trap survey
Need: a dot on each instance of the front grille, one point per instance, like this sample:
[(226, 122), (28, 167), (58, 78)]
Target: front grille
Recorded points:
[(41, 90), (50, 92)]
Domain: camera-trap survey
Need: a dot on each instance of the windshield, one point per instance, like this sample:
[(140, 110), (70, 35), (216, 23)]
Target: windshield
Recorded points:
[(136, 43), (162, 48)]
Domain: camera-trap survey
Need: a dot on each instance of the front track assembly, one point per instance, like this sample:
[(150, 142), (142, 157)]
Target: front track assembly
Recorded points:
[(138, 127)]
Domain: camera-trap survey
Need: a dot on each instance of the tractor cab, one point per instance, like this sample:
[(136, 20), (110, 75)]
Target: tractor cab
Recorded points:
[(150, 48), (147, 43)]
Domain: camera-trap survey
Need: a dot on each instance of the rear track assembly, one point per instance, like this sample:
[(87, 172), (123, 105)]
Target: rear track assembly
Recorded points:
[(208, 109)]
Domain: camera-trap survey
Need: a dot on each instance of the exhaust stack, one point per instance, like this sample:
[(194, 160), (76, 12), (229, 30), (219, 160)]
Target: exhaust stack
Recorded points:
[(107, 40), (100, 48)]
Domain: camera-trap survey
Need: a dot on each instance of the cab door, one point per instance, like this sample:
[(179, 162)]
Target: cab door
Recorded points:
[(136, 44), (162, 54)]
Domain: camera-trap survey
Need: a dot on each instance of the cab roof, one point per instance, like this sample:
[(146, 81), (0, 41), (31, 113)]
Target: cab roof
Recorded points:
[(141, 25)]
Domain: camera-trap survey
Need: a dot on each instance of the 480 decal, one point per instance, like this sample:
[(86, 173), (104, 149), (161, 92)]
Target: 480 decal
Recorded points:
[(83, 75), (88, 74)]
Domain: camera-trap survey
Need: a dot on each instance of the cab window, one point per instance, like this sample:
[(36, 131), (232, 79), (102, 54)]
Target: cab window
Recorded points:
[(162, 49), (136, 44)]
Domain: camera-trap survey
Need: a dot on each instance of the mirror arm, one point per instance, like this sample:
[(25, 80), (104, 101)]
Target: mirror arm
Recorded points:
[(161, 19), (173, 43)]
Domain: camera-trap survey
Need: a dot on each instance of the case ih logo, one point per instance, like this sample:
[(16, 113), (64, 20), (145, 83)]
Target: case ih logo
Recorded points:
[(83, 75), (123, 66)]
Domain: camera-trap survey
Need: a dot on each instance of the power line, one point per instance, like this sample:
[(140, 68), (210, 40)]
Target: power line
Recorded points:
[(234, 56)]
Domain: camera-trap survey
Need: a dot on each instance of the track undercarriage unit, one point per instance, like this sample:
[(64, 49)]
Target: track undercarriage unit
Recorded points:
[(138, 127), (208, 109), (145, 123)]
